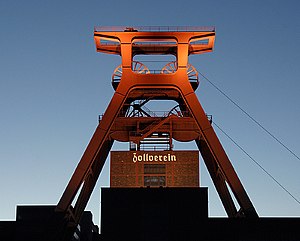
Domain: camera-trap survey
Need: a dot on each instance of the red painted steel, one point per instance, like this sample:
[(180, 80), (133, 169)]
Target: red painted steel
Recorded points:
[(133, 84)]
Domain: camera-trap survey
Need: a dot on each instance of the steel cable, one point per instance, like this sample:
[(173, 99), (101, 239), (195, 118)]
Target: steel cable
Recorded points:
[(256, 162), (251, 118)]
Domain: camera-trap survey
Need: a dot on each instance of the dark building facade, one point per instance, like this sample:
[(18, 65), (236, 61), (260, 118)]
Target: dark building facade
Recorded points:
[(152, 214), (181, 214), (156, 196), (154, 169), (41, 223)]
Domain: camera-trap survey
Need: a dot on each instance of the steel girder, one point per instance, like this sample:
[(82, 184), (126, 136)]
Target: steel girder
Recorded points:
[(133, 86)]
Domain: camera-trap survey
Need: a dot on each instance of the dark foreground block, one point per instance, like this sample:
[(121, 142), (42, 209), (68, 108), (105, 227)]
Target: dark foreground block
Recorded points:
[(30, 225), (152, 213), (42, 223), (181, 214)]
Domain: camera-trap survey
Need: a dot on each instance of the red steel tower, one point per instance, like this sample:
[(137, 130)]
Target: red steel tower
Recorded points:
[(125, 118)]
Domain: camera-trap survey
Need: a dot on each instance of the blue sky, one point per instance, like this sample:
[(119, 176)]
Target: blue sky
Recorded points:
[(53, 86)]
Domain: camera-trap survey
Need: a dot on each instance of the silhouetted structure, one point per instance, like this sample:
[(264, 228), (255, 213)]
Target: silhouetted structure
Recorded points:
[(181, 214), (152, 213), (37, 223)]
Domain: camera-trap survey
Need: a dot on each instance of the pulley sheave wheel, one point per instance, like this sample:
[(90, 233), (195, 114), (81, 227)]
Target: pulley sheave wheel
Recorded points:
[(176, 111), (137, 67), (192, 73)]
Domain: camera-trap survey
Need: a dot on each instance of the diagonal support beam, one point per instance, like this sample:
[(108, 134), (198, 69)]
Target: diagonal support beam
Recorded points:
[(217, 178), (220, 158), (154, 128), (96, 147)]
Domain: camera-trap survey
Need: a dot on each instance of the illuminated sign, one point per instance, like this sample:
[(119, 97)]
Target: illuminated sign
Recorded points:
[(154, 168), (146, 157)]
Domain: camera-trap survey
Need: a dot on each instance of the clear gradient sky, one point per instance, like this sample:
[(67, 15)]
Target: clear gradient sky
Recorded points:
[(53, 86)]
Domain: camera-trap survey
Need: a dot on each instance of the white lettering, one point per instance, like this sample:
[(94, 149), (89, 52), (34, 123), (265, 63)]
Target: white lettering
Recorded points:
[(140, 158), (134, 158), (145, 157)]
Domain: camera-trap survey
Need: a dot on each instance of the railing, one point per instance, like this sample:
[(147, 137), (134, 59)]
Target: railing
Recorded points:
[(153, 113), (154, 29), (151, 71), (155, 148)]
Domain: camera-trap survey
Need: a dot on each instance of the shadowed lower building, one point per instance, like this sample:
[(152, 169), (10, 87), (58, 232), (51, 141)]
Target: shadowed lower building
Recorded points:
[(181, 214)]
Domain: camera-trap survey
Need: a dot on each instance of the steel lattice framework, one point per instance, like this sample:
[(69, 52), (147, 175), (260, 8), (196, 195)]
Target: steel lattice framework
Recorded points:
[(125, 119)]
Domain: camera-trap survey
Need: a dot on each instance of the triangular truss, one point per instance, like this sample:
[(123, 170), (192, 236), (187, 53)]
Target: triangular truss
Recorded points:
[(125, 119)]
